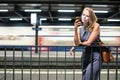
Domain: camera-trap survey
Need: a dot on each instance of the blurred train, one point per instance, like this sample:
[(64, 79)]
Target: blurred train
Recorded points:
[(56, 37)]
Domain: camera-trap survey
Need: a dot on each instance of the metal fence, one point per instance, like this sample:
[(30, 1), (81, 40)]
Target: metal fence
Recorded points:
[(50, 63)]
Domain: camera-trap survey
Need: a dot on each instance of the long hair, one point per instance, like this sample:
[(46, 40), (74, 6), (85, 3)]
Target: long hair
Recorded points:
[(93, 19)]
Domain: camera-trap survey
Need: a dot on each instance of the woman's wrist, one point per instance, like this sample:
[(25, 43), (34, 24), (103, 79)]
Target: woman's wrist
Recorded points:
[(76, 27), (74, 47)]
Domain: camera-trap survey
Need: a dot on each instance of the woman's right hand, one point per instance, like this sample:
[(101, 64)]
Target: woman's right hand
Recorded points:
[(77, 22)]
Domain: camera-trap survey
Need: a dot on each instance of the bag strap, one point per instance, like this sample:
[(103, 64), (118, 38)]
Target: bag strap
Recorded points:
[(100, 42)]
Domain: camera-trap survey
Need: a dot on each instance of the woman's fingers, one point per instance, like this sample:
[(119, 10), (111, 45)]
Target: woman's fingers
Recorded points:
[(77, 23), (71, 52)]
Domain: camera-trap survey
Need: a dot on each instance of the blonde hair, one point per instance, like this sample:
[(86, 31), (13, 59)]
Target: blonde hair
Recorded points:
[(93, 19)]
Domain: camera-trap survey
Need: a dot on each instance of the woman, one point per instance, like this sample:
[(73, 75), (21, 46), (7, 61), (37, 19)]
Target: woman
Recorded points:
[(87, 35)]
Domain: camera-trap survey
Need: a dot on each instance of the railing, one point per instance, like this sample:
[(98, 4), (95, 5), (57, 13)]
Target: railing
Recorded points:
[(50, 63)]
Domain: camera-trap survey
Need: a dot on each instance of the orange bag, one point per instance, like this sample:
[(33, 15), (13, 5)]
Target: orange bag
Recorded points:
[(107, 56)]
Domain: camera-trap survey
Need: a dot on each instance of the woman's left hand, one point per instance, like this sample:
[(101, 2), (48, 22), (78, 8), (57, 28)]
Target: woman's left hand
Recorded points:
[(72, 51)]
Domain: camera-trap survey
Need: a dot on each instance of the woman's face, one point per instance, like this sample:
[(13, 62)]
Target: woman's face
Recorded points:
[(85, 16)]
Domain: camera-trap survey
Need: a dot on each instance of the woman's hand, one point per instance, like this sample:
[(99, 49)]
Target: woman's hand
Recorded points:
[(77, 22), (72, 50)]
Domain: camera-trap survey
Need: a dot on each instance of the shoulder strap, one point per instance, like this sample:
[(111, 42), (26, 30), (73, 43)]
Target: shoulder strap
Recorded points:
[(100, 42)]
